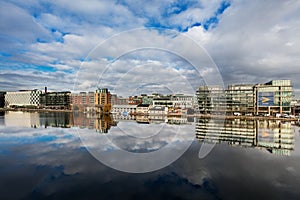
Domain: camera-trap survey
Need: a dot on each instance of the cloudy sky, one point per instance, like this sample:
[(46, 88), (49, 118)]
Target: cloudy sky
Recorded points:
[(135, 47)]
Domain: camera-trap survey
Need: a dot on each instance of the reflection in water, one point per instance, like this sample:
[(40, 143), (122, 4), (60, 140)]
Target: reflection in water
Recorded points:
[(101, 123), (53, 163), (274, 136)]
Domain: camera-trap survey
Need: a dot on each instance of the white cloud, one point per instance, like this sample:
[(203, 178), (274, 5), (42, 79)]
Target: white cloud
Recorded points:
[(254, 41)]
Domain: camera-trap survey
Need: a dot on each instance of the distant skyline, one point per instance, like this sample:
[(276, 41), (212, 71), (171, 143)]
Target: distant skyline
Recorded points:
[(46, 43)]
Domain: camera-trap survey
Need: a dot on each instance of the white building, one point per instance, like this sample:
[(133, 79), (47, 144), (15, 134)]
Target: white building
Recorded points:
[(124, 109), (23, 98)]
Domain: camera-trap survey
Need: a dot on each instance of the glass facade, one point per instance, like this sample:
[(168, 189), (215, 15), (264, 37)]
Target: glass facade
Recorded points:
[(269, 98)]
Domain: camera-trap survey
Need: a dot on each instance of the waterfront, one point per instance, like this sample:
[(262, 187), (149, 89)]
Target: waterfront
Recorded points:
[(44, 155)]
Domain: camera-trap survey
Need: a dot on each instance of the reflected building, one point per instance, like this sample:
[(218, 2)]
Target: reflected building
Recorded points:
[(158, 119), (56, 119), (142, 119), (274, 136), (2, 122), (38, 119), (22, 119), (104, 123), (83, 120), (2, 99), (178, 120), (121, 117)]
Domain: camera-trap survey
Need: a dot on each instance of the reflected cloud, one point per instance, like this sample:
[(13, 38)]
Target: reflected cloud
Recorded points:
[(42, 162)]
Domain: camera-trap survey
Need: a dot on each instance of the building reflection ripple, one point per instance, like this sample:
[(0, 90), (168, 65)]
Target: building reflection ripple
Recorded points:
[(275, 136)]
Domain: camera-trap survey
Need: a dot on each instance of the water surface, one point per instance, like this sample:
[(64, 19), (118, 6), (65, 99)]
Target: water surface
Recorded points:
[(43, 156)]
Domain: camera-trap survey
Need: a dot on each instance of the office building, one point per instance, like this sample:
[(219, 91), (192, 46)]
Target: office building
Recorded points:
[(240, 99), (273, 97), (56, 100), (23, 98), (211, 99), (259, 99)]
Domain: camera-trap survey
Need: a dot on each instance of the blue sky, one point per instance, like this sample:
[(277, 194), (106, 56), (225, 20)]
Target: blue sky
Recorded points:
[(49, 42)]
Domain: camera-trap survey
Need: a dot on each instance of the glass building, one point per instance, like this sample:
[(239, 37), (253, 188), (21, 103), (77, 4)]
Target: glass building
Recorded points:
[(211, 99), (273, 97), (261, 99)]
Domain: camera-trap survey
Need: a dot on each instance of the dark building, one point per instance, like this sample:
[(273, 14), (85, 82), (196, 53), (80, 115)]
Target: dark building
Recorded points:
[(2, 99), (56, 100)]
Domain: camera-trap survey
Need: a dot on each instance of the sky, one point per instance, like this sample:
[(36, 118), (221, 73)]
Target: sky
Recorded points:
[(135, 47)]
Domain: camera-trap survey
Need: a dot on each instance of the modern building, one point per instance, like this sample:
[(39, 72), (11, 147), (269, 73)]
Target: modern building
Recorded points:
[(23, 98), (56, 100), (240, 99), (2, 99), (259, 99), (273, 97), (102, 100), (211, 99)]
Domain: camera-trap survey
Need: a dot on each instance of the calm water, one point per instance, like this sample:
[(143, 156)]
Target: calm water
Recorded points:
[(56, 156)]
